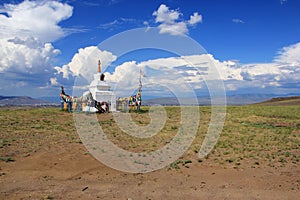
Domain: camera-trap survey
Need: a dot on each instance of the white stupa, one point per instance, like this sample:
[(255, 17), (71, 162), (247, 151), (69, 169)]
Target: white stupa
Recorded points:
[(100, 90)]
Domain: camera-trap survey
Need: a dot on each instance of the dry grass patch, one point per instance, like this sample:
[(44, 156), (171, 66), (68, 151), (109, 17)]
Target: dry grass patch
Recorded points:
[(252, 135)]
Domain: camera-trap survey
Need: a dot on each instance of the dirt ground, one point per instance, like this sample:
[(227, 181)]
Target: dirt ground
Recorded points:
[(66, 172), (60, 169)]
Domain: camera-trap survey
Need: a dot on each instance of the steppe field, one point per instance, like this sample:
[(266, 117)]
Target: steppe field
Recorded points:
[(256, 157)]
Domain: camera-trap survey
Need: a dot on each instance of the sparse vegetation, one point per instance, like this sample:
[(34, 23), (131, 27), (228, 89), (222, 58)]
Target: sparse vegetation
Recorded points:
[(184, 163), (47, 197), (262, 140), (7, 159), (256, 134)]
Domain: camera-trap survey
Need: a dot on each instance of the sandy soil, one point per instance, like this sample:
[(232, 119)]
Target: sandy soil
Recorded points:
[(68, 172)]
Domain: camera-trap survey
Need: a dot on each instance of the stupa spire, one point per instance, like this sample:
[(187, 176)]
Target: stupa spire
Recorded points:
[(99, 66)]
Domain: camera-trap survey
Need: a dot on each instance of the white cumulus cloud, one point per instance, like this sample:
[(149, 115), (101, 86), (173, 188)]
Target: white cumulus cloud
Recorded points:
[(164, 15), (195, 18), (38, 19), (164, 73), (84, 63), (169, 20), (289, 55), (282, 75), (27, 30), (24, 56), (173, 29), (53, 81)]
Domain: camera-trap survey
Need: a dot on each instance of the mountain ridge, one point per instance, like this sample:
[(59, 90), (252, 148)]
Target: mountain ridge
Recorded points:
[(281, 101), (234, 99), (22, 101)]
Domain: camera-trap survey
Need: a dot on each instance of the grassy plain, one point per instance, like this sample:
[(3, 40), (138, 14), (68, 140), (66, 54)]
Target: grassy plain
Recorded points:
[(257, 137)]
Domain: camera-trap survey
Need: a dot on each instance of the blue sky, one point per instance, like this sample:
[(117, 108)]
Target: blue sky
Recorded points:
[(255, 45), (249, 31)]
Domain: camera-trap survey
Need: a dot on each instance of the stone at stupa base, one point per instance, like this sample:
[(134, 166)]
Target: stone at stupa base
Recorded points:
[(89, 109)]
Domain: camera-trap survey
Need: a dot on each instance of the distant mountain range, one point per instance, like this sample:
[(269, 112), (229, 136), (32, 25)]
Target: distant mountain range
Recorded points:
[(282, 101), (23, 101), (237, 99)]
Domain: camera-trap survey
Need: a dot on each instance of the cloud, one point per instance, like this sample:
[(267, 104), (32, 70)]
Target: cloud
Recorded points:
[(53, 81), (64, 70), (164, 73), (27, 31), (282, 75), (117, 23), (125, 78), (109, 25), (169, 20), (195, 18), (179, 28), (34, 19), (84, 63), (113, 2), (90, 3), (238, 21), (164, 15), (289, 55), (283, 1), (26, 56)]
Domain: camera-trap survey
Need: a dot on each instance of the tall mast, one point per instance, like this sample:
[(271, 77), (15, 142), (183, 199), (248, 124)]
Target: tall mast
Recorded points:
[(140, 85)]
